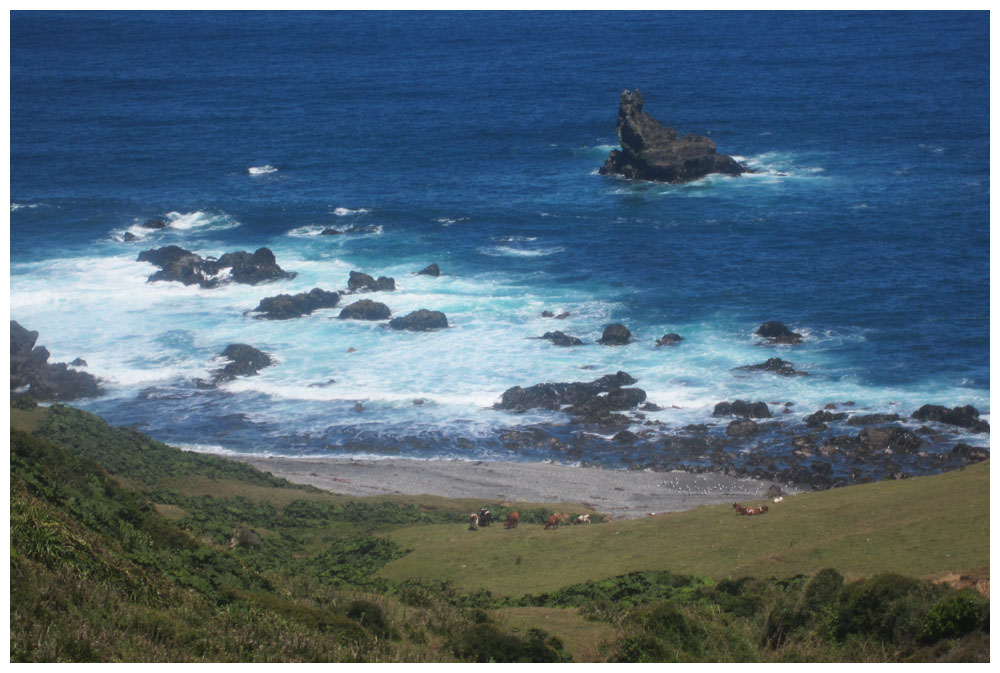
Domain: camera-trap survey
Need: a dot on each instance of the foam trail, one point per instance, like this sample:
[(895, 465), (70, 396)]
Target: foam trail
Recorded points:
[(262, 170)]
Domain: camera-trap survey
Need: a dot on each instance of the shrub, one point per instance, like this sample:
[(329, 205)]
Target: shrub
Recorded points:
[(23, 402), (954, 616), (484, 643), (888, 607), (372, 617)]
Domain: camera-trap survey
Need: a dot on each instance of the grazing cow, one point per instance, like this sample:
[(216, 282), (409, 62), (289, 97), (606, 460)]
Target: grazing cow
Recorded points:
[(512, 519), (583, 518), (473, 521), (553, 522), (750, 511), (485, 517)]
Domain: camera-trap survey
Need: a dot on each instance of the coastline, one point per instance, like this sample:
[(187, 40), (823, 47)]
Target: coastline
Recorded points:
[(619, 494)]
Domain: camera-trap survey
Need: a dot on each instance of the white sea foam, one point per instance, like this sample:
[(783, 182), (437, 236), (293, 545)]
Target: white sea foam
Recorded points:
[(344, 212), (507, 251), (262, 170), (200, 220), (19, 206)]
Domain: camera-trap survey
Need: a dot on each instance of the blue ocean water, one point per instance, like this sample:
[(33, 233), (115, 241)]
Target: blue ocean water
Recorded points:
[(473, 140)]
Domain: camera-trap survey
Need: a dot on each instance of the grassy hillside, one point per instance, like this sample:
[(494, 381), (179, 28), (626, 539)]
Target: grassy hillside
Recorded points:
[(125, 549), (923, 527)]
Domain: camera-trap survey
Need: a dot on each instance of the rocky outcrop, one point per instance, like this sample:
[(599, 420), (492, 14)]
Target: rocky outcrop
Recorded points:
[(775, 366), (560, 339), (431, 270), (288, 306), (184, 266), (244, 360), (742, 408), (970, 454), (652, 151), (420, 321), (963, 417), (818, 420), (669, 340), (554, 396), (894, 438), (155, 223), (872, 419), (615, 335), (129, 237), (778, 333), (741, 428), (365, 309), (550, 314), (362, 282), (29, 366)]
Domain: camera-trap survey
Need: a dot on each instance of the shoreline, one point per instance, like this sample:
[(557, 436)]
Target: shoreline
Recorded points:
[(619, 494)]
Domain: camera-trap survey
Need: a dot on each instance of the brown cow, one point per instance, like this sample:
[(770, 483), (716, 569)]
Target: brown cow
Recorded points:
[(583, 518), (553, 522), (512, 519), (473, 521)]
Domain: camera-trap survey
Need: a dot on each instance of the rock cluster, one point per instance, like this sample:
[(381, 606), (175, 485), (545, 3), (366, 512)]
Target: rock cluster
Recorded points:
[(594, 401), (184, 266), (29, 366), (963, 417), (775, 366), (651, 151), (778, 333), (244, 360), (362, 282)]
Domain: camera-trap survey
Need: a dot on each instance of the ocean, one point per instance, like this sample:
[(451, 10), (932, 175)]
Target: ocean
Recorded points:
[(472, 140)]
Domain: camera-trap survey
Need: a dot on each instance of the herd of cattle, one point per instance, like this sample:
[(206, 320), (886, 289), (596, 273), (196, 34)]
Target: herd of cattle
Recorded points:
[(485, 518)]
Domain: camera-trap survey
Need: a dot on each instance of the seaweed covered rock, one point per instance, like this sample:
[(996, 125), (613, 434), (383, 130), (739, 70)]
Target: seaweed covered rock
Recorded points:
[(652, 151), (420, 321)]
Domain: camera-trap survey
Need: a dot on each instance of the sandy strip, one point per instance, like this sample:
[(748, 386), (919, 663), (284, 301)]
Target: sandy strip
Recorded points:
[(617, 493)]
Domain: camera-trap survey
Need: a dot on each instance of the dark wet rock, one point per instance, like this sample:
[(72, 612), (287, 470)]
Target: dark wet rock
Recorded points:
[(324, 384), (626, 437), (431, 270), (872, 419), (29, 367), (651, 151), (154, 223), (330, 231), (650, 406), (669, 340), (970, 454), (620, 399), (555, 395), (184, 266), (819, 419), (742, 428), (286, 306), (778, 333), (615, 335), (775, 366), (362, 282), (79, 362), (129, 237), (244, 360), (742, 408), (420, 321), (560, 339), (963, 417), (365, 309), (895, 438), (550, 314), (523, 438)]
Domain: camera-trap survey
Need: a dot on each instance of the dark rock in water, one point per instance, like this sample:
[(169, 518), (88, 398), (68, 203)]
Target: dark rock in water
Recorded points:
[(560, 339), (651, 151), (550, 314), (287, 306), (154, 223), (431, 270), (365, 309), (330, 231), (324, 384), (896, 439), (244, 360), (129, 237), (79, 362), (420, 321), (963, 417), (29, 366), (615, 335), (619, 399), (626, 437), (669, 340), (872, 419), (362, 282), (650, 406), (742, 408), (741, 428), (778, 333), (819, 419), (184, 266), (775, 366), (356, 229), (554, 395), (970, 454)]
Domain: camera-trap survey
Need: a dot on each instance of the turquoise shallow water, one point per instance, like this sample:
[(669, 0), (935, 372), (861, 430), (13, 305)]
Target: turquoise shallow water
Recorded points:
[(472, 141)]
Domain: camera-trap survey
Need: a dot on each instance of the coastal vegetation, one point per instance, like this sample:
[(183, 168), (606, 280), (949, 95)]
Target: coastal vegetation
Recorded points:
[(126, 549)]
